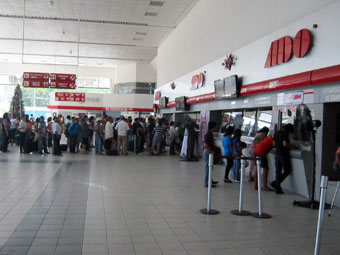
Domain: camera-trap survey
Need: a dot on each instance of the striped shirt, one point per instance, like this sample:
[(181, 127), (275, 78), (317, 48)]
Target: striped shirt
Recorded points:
[(159, 130)]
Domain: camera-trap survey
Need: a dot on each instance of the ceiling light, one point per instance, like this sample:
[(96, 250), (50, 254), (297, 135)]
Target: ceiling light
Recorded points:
[(70, 51), (43, 61), (63, 32), (140, 33), (152, 14), (137, 39), (51, 2), (156, 3), (100, 64)]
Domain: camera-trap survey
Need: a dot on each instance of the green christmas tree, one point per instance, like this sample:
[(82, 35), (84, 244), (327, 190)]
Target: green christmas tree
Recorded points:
[(17, 104)]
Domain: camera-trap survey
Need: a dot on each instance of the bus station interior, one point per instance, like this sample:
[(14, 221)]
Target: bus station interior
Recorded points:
[(246, 64)]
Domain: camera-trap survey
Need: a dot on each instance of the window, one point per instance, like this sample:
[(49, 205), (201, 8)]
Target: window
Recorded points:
[(136, 88)]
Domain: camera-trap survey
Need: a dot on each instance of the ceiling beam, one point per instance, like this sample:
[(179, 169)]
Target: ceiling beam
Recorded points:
[(81, 42), (93, 21)]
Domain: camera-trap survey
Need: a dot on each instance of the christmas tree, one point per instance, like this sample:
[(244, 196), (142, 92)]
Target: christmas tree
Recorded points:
[(17, 104)]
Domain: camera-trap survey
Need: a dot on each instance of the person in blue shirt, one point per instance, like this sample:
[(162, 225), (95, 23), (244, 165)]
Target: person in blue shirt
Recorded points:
[(237, 152), (73, 131), (228, 151)]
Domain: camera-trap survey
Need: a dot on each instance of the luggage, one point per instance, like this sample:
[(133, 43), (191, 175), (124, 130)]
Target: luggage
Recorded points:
[(63, 147)]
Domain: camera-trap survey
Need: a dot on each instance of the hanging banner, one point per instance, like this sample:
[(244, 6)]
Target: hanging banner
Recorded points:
[(70, 96), (35, 84)]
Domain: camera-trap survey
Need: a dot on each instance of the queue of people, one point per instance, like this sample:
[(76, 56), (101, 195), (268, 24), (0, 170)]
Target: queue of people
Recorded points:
[(107, 135), (262, 144)]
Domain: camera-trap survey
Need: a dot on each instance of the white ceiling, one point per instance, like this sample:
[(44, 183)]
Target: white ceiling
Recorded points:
[(106, 33)]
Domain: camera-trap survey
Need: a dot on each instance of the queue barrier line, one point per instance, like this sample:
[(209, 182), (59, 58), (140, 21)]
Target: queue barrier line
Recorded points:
[(240, 212)]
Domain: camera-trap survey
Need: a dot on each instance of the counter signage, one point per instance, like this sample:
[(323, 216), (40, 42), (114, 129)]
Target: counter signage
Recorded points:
[(70, 96), (294, 98)]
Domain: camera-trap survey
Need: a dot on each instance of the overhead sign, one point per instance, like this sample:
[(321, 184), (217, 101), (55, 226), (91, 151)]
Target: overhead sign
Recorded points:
[(46, 80), (63, 85), (35, 83), (197, 81), (281, 50), (294, 98), (70, 96)]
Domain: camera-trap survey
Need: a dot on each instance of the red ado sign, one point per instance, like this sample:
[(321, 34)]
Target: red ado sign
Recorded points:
[(281, 50), (197, 81)]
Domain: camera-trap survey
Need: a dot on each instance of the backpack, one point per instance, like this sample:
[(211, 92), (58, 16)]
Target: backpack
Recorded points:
[(66, 132)]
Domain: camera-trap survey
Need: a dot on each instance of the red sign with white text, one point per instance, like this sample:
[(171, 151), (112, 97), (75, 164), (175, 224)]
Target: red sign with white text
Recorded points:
[(63, 85), (35, 76), (70, 96), (63, 77), (35, 83)]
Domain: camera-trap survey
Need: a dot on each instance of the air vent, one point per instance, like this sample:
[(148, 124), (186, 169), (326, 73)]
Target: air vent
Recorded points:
[(152, 14), (140, 33), (137, 39), (156, 3)]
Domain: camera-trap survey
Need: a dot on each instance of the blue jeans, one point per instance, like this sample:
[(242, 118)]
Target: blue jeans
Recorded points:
[(42, 144), (98, 144), (206, 161), (237, 166)]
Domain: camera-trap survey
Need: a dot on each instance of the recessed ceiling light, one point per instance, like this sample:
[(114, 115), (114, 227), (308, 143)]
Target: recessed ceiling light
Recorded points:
[(156, 3), (100, 64), (137, 39), (140, 33), (152, 14), (43, 61)]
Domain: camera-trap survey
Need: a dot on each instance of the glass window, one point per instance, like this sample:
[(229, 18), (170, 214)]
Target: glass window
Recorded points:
[(264, 119), (249, 123), (234, 119)]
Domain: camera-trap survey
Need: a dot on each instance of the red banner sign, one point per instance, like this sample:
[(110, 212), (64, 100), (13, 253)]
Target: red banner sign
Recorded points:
[(70, 96), (35, 84), (63, 77), (36, 76), (63, 85)]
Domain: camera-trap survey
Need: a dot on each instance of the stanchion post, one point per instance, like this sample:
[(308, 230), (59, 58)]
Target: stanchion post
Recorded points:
[(260, 214), (323, 186), (208, 210), (240, 210)]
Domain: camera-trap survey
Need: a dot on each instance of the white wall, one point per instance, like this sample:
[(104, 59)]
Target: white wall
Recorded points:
[(136, 72), (145, 73), (251, 58), (216, 27), (126, 73)]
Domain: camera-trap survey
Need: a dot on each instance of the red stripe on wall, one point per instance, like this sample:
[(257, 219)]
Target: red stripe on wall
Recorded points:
[(91, 108)]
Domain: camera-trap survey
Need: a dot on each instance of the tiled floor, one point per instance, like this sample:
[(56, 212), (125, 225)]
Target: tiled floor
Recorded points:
[(90, 204)]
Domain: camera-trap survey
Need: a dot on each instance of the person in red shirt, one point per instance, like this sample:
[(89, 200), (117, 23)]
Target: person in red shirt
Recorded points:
[(262, 150)]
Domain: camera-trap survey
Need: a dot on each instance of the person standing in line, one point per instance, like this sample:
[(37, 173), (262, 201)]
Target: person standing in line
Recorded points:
[(22, 130), (14, 126), (73, 132), (158, 137), (282, 156), (99, 134), (49, 132), (123, 130), (42, 140), (237, 153), (56, 130), (227, 143), (5, 126), (209, 149), (173, 137), (150, 133), (138, 133), (91, 132), (85, 135), (108, 135)]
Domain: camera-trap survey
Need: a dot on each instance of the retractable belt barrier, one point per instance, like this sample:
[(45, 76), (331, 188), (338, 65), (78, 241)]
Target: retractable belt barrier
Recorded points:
[(240, 210)]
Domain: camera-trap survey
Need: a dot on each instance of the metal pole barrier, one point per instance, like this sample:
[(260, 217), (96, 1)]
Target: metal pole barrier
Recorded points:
[(260, 214), (208, 210), (240, 210), (323, 186), (334, 197)]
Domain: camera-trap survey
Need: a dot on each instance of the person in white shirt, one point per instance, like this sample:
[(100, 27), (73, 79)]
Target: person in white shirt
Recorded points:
[(22, 129), (108, 134), (56, 130), (123, 130)]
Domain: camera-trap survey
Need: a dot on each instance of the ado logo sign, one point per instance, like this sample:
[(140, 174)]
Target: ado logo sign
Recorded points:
[(281, 50), (197, 81)]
